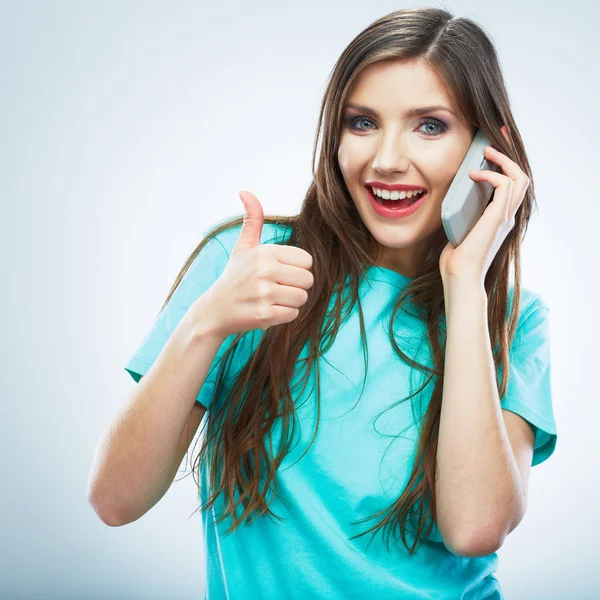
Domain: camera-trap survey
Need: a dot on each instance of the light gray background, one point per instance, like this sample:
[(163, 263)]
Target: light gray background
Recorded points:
[(126, 130)]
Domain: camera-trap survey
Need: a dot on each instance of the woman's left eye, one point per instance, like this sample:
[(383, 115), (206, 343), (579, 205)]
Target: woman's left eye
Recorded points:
[(351, 124), (437, 123)]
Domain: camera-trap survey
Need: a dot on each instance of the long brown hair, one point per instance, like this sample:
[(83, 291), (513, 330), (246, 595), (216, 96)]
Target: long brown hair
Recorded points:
[(329, 227)]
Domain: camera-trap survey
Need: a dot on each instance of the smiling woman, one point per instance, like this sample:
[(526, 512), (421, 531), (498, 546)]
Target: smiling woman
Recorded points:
[(380, 333), (404, 141)]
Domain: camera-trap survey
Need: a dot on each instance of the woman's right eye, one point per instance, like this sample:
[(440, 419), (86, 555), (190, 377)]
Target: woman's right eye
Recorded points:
[(350, 122)]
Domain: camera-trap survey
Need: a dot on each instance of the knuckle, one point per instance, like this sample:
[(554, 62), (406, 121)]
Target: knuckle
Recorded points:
[(264, 313), (263, 290), (263, 271), (263, 267), (259, 254)]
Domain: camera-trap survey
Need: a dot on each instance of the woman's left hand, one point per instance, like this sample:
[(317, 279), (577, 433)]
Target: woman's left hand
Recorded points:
[(471, 259)]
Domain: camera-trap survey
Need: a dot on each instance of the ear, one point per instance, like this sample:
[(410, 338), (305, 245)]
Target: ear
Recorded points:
[(506, 134)]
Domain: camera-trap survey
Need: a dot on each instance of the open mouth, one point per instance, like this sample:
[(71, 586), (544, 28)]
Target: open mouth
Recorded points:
[(397, 204)]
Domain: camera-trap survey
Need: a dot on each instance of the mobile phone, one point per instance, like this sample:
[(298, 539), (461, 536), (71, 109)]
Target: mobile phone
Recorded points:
[(466, 199)]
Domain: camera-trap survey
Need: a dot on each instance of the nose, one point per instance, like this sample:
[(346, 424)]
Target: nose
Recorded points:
[(391, 155)]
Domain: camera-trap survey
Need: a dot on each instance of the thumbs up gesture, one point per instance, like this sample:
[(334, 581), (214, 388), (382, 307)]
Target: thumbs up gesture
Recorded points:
[(262, 284)]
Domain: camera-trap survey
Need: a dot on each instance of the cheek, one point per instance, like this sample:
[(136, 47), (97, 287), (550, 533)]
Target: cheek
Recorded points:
[(447, 159), (445, 175), (350, 159), (344, 157), (441, 170)]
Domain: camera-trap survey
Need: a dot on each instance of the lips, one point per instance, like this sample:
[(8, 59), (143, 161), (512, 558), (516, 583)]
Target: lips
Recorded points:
[(397, 211)]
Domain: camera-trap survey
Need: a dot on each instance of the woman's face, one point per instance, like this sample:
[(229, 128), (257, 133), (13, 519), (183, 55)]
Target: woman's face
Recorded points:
[(390, 146)]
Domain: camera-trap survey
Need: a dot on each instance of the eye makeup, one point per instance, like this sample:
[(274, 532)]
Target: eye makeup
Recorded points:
[(351, 120)]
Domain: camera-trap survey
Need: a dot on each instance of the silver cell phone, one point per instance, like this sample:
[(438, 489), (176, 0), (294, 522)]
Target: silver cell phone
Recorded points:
[(466, 199)]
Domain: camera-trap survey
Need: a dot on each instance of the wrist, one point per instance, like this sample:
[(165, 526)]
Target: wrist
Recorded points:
[(458, 291), (203, 320)]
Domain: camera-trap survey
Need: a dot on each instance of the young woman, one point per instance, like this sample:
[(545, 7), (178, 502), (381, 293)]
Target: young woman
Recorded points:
[(360, 375)]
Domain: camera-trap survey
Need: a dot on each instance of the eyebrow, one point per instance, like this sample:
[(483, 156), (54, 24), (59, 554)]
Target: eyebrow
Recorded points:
[(413, 112)]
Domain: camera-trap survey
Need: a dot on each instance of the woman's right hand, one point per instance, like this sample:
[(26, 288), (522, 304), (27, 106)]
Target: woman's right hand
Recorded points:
[(262, 284)]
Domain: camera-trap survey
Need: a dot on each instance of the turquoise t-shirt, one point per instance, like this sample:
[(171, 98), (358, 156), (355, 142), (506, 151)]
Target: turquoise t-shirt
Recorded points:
[(359, 463)]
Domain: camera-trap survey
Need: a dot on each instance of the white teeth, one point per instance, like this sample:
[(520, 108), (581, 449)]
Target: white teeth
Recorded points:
[(395, 195)]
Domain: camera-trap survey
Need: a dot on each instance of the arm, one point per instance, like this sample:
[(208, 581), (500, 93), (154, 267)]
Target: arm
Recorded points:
[(478, 489), (138, 456)]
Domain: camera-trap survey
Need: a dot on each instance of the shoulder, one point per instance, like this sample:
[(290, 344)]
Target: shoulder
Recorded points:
[(530, 303), (533, 328), (272, 233)]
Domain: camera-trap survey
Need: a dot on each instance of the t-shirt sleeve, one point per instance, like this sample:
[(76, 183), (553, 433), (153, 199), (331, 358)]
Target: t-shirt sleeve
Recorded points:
[(529, 392), (202, 273)]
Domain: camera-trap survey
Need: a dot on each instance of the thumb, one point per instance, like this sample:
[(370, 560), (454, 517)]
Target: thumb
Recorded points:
[(253, 223)]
